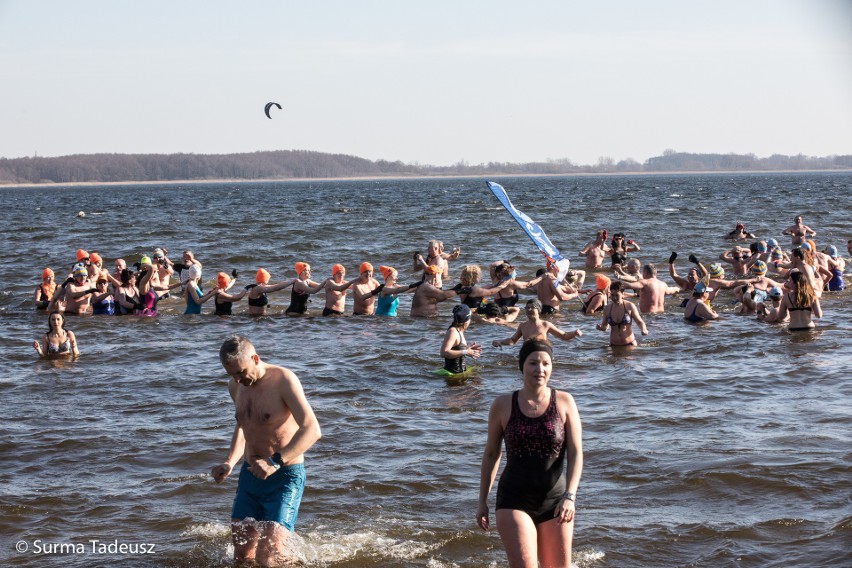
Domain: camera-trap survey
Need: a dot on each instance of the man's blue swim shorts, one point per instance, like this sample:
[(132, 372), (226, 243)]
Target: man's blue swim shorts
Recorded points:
[(275, 498)]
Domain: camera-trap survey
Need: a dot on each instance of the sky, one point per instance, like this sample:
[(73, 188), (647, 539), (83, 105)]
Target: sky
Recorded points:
[(428, 82)]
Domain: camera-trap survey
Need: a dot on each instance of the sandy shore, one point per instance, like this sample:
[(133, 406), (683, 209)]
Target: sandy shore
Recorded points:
[(412, 177)]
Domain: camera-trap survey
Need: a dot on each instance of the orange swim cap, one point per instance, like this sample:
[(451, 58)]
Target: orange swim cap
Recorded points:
[(386, 271), (602, 282), (95, 257), (81, 254), (300, 267), (262, 276), (365, 267), (46, 273), (222, 280), (337, 268), (432, 269)]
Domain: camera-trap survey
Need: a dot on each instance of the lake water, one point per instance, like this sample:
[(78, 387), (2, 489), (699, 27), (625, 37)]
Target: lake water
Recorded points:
[(726, 444)]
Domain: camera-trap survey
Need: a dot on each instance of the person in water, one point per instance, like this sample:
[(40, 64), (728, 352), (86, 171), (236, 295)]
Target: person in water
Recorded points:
[(424, 304), (631, 273), (44, 292), (303, 289), (455, 347), (739, 234), (78, 292), (336, 289), (798, 231), (388, 293), (739, 258), (223, 300), (697, 308), (471, 293), (362, 291), (58, 342), (188, 260), (836, 265), (275, 427), (103, 302), (652, 291), (502, 270), (192, 292), (618, 316), (801, 304), (595, 251), (693, 277), (257, 293), (435, 266), (549, 291), (770, 313), (536, 328), (619, 247), (96, 268), (596, 299), (537, 490)]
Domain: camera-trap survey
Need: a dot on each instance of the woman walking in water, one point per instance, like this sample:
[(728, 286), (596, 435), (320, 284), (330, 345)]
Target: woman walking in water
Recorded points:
[(537, 492), (454, 346), (619, 315)]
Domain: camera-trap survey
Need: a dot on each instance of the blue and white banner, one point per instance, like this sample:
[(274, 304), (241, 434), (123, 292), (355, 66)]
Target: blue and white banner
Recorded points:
[(532, 229)]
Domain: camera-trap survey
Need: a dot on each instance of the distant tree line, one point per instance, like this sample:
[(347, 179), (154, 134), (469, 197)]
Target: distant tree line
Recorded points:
[(289, 164)]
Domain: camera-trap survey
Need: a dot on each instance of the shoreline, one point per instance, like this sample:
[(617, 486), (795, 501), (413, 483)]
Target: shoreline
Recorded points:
[(391, 177)]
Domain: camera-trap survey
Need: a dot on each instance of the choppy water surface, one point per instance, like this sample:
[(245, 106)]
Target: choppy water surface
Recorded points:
[(726, 444)]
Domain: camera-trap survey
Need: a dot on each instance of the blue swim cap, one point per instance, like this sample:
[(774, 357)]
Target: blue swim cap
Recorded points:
[(831, 251), (771, 243), (761, 247), (775, 292), (805, 246), (700, 288)]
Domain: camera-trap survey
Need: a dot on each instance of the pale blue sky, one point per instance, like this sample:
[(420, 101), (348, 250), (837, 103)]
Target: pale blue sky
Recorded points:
[(432, 82)]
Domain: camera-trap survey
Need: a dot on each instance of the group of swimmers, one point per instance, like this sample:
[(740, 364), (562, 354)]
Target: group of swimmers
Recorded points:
[(775, 285)]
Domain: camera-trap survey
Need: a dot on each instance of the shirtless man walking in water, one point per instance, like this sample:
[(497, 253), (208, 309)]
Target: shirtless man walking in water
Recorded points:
[(275, 427), (798, 231), (596, 250)]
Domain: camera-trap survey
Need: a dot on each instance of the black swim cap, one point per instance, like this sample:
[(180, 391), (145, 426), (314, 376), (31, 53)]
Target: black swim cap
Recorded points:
[(461, 313), (533, 345)]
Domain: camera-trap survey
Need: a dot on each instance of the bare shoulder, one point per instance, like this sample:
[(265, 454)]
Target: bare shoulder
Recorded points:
[(565, 402), (502, 405), (283, 376)]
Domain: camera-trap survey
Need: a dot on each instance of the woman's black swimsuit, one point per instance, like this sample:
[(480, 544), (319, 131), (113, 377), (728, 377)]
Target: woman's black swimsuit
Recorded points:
[(456, 365), (533, 480), (587, 301), (224, 308), (298, 302), (508, 301), (258, 302)]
